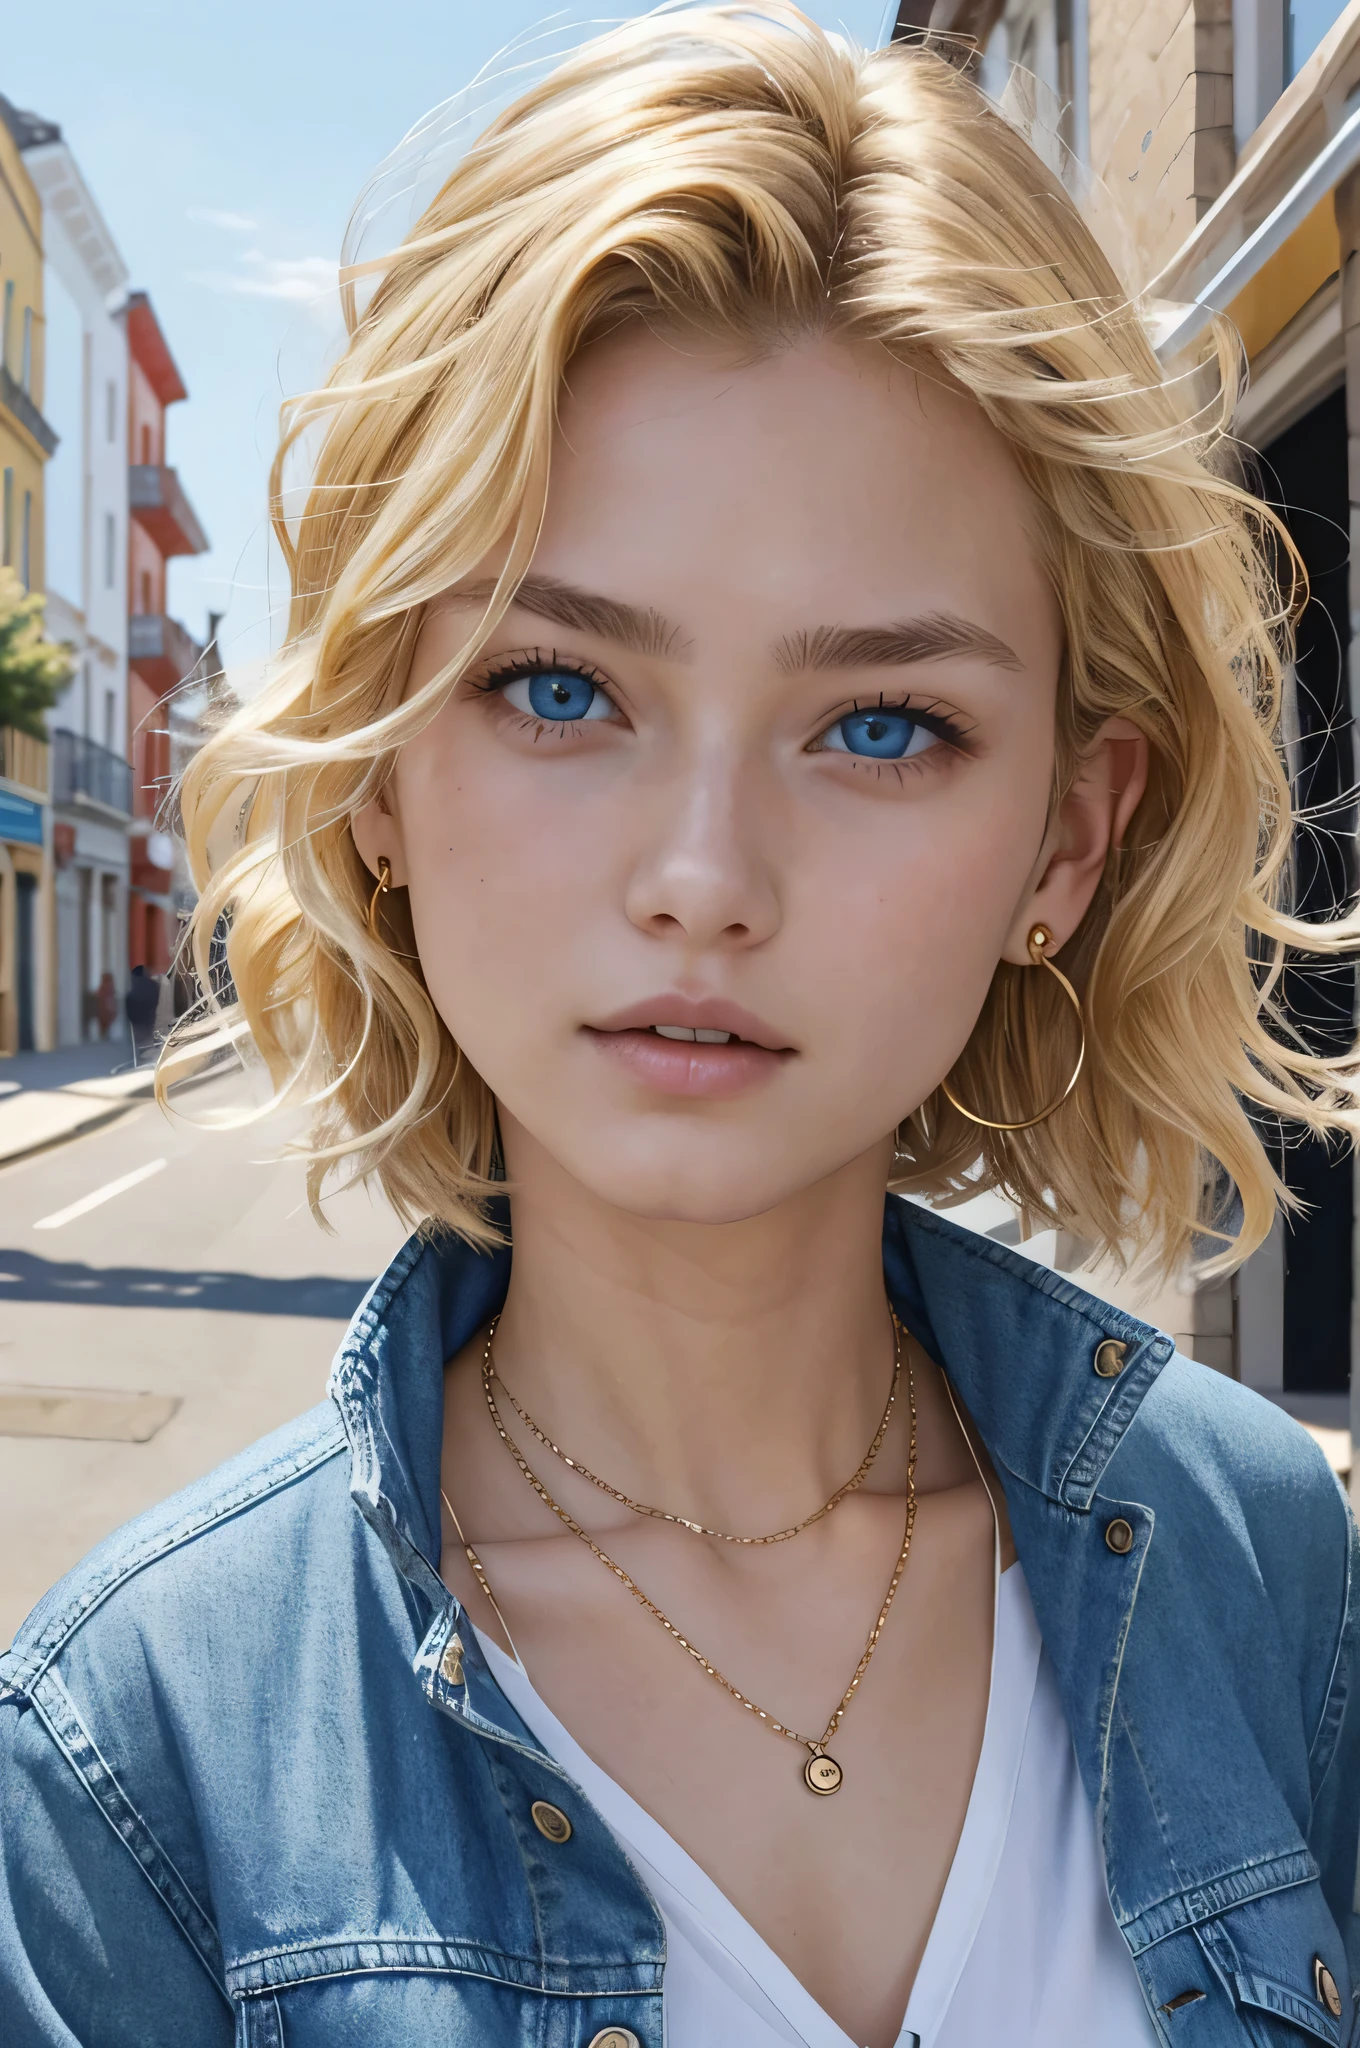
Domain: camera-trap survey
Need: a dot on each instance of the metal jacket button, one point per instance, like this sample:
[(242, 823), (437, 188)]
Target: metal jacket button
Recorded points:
[(616, 2037), (1119, 1536), (1325, 1985), (550, 1821), (1109, 1358)]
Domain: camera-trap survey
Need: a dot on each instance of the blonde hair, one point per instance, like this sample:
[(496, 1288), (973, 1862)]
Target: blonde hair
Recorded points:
[(738, 168)]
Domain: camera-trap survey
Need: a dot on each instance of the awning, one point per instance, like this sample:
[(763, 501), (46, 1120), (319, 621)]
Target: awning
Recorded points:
[(1299, 213), (20, 820)]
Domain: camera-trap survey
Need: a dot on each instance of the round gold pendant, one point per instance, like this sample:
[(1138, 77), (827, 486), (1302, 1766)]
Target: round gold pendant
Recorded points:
[(822, 1775)]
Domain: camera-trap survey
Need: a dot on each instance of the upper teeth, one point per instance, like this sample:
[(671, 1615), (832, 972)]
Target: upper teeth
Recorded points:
[(695, 1037)]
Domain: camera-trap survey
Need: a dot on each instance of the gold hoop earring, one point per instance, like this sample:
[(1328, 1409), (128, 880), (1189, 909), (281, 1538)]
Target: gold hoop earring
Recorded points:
[(384, 884), (1038, 942)]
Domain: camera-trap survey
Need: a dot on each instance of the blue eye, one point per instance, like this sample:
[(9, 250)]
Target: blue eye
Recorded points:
[(559, 696), (879, 735)]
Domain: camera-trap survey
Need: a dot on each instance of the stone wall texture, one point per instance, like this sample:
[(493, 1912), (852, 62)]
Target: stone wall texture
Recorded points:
[(1161, 116)]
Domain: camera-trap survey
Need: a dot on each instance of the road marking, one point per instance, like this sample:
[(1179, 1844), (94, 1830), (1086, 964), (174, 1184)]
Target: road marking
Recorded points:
[(104, 1194)]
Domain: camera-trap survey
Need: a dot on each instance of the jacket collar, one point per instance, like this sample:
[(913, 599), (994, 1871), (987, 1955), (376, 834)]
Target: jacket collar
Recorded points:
[(1016, 1341)]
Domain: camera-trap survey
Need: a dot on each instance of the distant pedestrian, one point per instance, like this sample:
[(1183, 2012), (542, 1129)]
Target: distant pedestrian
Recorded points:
[(140, 1002)]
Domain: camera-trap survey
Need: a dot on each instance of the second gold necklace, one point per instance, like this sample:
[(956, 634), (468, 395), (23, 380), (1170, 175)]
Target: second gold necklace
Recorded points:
[(821, 1773), (637, 1507)]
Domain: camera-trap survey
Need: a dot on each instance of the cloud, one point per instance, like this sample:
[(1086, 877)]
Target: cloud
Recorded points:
[(304, 279), (234, 223)]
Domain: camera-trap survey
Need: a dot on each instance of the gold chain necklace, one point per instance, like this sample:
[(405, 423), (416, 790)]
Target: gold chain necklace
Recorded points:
[(637, 1507), (821, 1773)]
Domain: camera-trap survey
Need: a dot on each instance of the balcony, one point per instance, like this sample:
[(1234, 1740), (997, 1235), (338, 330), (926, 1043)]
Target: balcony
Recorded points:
[(20, 406), (161, 652), (83, 772), (157, 502)]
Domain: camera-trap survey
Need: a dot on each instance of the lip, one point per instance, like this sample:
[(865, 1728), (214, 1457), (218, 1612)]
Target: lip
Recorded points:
[(705, 1013), (670, 1066)]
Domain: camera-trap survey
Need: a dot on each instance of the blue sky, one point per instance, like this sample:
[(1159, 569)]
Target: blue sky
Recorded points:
[(226, 145)]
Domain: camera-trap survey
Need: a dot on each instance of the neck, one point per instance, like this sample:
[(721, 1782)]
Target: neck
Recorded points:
[(731, 1372)]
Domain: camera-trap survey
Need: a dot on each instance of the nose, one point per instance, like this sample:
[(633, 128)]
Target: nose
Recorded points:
[(703, 874)]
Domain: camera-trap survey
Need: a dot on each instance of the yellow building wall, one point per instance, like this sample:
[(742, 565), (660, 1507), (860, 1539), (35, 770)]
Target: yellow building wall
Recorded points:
[(1285, 284), (21, 266)]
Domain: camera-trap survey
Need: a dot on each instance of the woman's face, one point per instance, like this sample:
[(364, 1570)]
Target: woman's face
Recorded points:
[(713, 855)]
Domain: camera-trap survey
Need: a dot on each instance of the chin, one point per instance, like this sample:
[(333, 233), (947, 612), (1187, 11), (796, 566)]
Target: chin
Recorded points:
[(708, 1184)]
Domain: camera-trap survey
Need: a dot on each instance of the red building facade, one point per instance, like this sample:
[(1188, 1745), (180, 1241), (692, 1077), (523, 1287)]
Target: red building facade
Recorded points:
[(160, 652)]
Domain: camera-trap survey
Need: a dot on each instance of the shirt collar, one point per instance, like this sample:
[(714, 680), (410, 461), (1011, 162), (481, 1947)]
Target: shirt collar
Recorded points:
[(1016, 1340)]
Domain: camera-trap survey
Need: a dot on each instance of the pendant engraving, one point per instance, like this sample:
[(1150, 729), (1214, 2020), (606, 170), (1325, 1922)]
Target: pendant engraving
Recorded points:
[(822, 1775)]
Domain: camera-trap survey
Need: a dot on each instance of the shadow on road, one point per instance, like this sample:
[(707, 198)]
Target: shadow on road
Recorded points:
[(24, 1277)]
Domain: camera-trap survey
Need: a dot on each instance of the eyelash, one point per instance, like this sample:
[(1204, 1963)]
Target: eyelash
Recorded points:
[(946, 725), (493, 681)]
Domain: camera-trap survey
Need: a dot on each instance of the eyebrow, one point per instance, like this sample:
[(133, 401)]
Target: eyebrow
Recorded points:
[(932, 637), (641, 630)]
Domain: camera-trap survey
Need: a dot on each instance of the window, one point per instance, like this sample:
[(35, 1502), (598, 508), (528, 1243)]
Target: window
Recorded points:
[(110, 547), (85, 698), (7, 536), (146, 445), (25, 542), (26, 360), (111, 720), (110, 411), (9, 322), (147, 606)]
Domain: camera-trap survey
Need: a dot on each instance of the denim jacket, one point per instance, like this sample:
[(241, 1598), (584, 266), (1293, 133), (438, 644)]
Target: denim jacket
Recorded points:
[(247, 1795)]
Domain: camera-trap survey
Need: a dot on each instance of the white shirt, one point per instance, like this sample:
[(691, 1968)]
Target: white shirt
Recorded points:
[(1024, 1949)]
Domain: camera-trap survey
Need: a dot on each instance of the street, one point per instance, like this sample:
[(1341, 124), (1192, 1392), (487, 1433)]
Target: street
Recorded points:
[(154, 1330)]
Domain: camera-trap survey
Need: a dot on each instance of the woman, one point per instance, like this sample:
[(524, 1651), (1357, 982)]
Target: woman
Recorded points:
[(758, 603)]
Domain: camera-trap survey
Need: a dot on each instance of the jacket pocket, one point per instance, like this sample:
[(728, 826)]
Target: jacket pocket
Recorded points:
[(1263, 1994)]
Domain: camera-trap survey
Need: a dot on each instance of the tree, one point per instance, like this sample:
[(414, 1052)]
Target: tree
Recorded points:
[(33, 670)]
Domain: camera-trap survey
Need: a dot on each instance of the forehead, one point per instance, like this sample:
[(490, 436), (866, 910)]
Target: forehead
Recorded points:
[(825, 479)]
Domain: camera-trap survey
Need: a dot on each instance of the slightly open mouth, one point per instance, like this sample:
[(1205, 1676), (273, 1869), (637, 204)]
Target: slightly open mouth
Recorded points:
[(690, 1059), (696, 1037)]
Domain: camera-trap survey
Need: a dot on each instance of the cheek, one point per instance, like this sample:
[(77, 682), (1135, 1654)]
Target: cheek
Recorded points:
[(498, 879), (906, 950)]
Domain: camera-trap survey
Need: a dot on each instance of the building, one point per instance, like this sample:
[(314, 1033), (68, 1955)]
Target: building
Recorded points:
[(27, 922), (161, 653), (1224, 139), (1272, 244), (86, 533)]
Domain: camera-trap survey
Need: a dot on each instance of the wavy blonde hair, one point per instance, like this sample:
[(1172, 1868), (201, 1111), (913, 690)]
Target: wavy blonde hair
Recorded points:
[(737, 168)]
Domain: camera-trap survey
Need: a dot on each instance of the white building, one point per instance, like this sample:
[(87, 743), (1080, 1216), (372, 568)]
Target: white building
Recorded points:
[(87, 540)]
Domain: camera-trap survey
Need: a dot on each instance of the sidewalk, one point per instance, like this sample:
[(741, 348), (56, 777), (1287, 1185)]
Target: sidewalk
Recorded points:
[(47, 1097)]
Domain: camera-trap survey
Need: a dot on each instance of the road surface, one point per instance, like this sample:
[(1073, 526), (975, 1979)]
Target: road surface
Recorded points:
[(159, 1280)]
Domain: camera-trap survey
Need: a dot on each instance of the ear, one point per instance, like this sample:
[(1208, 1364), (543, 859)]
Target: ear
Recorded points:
[(378, 836), (1093, 816)]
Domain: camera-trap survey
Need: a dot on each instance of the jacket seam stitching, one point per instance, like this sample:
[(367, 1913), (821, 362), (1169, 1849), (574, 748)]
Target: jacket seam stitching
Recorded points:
[(64, 1626), (539, 1992), (1153, 1799), (1197, 1918), (1343, 1632), (137, 1826), (284, 1950), (1117, 1431)]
